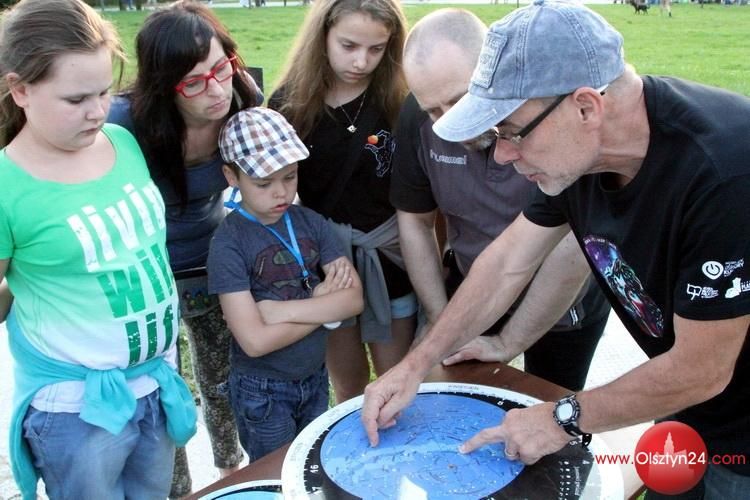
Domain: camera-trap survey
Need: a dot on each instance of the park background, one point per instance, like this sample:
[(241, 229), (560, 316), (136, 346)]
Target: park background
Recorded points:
[(707, 43)]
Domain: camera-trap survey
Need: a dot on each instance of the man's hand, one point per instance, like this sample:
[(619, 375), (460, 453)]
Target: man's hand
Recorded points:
[(482, 349), (386, 397), (528, 434), (338, 276)]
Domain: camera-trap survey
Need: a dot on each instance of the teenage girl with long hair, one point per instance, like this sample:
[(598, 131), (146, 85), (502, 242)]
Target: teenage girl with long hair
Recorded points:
[(341, 90)]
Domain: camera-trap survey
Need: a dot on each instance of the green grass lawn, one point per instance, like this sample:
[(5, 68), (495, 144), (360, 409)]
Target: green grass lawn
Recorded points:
[(708, 44)]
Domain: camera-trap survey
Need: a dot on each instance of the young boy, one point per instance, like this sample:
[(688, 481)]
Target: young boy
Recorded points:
[(265, 264)]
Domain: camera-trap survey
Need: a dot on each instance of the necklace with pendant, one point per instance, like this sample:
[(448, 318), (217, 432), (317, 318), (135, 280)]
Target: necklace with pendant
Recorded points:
[(353, 128)]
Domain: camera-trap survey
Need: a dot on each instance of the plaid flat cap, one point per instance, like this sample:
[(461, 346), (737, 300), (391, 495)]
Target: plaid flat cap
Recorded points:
[(260, 141)]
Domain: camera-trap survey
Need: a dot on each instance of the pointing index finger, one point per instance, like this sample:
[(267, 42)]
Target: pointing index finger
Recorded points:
[(481, 438), (370, 412)]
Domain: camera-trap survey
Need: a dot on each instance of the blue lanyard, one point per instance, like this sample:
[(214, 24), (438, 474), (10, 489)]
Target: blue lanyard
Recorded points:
[(290, 245)]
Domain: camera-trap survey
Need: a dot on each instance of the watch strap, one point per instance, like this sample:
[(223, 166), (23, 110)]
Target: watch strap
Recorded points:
[(570, 425)]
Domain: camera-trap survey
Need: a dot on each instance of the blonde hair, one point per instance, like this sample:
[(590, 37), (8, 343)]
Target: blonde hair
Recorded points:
[(33, 34), (308, 75)]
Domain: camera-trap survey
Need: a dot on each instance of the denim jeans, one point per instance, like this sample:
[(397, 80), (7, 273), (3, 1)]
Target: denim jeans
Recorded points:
[(718, 483), (270, 412), (78, 460), (723, 484)]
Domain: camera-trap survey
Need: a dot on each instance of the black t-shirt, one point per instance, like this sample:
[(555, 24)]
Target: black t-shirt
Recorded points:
[(676, 238), (478, 197), (363, 202)]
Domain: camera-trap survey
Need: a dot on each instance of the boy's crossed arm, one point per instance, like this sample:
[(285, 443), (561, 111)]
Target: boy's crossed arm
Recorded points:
[(340, 293), (267, 326)]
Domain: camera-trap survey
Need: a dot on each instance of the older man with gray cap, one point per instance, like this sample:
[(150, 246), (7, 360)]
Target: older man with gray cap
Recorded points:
[(653, 176)]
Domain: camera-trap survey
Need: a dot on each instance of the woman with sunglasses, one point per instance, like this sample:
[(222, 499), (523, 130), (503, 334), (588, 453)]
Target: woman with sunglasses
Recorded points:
[(187, 86)]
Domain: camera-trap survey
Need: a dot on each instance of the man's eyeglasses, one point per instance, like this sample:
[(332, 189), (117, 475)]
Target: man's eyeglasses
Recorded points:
[(517, 138), (197, 85)]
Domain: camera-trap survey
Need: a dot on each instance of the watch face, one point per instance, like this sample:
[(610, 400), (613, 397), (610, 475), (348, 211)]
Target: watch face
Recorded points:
[(564, 411)]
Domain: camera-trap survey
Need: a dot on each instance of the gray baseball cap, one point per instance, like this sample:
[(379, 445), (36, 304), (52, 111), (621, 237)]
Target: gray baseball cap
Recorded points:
[(546, 49)]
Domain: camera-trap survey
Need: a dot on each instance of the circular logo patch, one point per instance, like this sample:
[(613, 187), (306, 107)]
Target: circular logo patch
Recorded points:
[(712, 269)]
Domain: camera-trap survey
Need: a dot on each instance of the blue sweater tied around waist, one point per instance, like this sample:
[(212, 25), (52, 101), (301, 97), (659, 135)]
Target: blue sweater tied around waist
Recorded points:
[(108, 402)]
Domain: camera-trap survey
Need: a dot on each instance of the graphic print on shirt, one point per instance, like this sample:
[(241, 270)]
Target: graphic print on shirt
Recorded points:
[(140, 291), (625, 284), (383, 149), (277, 273)]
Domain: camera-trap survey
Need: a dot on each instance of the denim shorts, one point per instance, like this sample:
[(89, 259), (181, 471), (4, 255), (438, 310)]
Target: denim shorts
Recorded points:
[(404, 307), (79, 460), (271, 412)]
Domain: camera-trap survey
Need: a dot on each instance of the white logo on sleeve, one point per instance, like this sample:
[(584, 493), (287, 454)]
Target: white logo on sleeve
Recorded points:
[(735, 290), (701, 292), (732, 266), (712, 269)]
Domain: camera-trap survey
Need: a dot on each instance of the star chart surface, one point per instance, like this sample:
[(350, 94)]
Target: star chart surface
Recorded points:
[(419, 459), (421, 453)]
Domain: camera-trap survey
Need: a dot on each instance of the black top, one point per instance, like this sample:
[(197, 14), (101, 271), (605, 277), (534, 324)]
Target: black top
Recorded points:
[(676, 238), (364, 200)]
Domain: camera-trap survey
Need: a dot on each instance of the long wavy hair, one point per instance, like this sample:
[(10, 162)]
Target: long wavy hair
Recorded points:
[(308, 76), (168, 46), (33, 34)]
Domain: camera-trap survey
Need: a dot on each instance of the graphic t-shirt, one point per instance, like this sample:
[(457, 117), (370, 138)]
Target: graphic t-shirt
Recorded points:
[(244, 255), (478, 197), (675, 240), (88, 265)]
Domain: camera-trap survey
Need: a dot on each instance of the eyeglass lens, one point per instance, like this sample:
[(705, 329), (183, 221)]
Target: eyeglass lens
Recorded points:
[(197, 85)]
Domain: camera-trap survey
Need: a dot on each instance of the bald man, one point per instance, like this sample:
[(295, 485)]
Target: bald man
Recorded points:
[(479, 199)]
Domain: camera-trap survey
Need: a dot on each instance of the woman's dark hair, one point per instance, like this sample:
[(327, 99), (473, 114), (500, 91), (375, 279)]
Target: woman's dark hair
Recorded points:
[(168, 46)]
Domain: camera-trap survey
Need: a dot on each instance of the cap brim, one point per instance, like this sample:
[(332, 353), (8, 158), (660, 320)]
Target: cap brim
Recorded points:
[(472, 115), (300, 154), (253, 165)]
